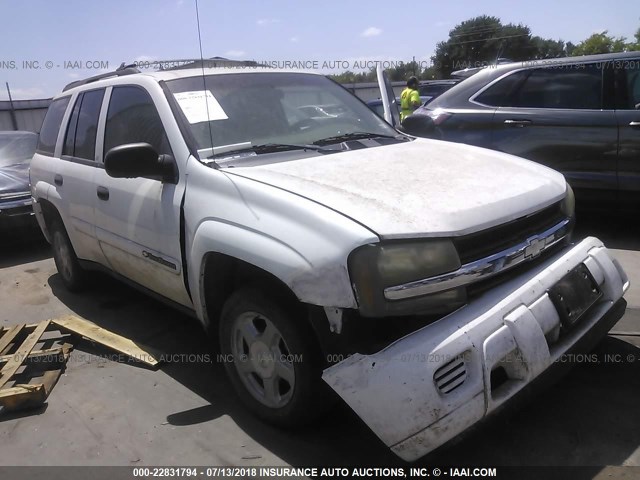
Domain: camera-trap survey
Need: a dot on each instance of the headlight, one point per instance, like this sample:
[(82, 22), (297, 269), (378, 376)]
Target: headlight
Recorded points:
[(568, 205), (374, 267)]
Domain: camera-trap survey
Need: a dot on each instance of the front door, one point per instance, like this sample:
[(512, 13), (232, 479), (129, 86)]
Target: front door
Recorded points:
[(138, 219), (628, 116)]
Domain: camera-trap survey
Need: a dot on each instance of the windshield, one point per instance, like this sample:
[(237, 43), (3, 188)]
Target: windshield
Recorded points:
[(271, 108), (17, 147)]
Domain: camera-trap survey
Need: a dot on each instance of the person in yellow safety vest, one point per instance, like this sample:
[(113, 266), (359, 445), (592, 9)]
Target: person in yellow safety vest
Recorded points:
[(409, 98)]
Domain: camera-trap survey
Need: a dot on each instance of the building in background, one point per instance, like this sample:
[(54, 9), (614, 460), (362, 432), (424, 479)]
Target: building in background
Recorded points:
[(24, 115)]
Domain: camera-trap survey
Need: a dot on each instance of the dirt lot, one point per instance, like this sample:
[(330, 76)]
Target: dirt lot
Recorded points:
[(107, 411)]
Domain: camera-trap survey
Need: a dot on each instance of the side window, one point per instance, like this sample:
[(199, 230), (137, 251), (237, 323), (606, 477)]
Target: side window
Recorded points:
[(564, 86), (70, 136), (80, 140), (51, 125), (630, 95), (133, 118), (85, 141), (499, 94)]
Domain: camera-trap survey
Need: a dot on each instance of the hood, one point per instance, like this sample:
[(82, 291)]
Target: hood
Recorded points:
[(422, 188), (14, 178)]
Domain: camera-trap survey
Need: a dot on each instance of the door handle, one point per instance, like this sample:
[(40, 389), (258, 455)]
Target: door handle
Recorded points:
[(634, 124), (517, 123), (58, 180), (103, 193)]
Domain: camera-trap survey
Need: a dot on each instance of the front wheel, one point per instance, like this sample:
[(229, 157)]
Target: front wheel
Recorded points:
[(274, 362)]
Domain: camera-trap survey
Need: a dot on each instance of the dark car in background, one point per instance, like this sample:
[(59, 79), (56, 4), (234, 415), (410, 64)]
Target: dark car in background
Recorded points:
[(377, 106), (578, 115), (435, 88), (16, 150)]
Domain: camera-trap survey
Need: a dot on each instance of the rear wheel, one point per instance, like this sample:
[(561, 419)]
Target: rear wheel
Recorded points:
[(73, 275), (274, 361)]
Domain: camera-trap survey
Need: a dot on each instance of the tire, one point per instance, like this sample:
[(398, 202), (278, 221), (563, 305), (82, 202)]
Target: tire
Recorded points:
[(74, 277), (273, 359)]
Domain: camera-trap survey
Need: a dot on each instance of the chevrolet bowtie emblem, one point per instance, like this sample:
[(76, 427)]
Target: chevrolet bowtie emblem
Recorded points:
[(536, 245)]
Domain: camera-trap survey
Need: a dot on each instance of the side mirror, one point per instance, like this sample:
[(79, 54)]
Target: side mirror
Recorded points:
[(135, 160)]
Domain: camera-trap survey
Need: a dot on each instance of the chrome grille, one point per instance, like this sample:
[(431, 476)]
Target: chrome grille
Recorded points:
[(487, 242)]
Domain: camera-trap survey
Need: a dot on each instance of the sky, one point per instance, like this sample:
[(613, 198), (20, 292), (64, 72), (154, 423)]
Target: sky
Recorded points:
[(46, 44)]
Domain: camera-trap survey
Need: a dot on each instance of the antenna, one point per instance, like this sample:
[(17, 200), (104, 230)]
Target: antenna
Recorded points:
[(204, 85)]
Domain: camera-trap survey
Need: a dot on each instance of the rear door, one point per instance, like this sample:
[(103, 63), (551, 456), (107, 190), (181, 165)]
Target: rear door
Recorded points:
[(138, 219), (560, 116), (74, 176), (627, 75)]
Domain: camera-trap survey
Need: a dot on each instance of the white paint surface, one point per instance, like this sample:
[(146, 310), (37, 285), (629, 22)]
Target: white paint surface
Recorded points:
[(424, 188)]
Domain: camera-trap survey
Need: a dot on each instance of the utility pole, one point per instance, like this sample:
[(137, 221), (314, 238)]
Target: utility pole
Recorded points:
[(12, 111)]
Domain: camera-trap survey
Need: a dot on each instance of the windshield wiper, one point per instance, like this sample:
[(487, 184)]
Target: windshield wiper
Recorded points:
[(282, 147), (353, 136), (263, 148)]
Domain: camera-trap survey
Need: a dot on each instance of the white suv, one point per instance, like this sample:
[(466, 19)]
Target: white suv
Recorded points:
[(425, 282)]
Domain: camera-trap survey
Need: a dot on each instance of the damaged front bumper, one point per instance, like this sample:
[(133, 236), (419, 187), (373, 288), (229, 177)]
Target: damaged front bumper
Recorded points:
[(435, 383)]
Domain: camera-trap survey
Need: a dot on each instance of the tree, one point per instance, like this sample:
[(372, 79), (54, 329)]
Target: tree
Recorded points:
[(547, 48), (635, 45), (429, 73), (480, 41), (404, 71), (351, 77), (600, 43), (483, 40)]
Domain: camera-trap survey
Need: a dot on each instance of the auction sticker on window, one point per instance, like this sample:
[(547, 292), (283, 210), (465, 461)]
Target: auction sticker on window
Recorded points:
[(200, 106)]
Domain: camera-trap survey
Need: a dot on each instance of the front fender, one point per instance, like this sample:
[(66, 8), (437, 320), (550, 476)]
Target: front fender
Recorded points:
[(301, 242), (318, 281)]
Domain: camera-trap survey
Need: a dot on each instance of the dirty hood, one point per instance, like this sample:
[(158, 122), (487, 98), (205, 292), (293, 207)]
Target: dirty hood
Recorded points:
[(420, 188)]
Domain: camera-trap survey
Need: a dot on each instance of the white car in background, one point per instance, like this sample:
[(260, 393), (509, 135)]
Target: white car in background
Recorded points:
[(425, 282)]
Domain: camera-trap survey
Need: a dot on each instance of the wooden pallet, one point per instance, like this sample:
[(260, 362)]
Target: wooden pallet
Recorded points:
[(91, 331), (32, 358)]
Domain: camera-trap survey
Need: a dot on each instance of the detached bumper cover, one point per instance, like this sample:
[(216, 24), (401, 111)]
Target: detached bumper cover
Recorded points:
[(433, 384)]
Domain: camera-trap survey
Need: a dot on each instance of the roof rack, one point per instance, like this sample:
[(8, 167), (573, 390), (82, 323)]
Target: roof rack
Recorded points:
[(118, 72)]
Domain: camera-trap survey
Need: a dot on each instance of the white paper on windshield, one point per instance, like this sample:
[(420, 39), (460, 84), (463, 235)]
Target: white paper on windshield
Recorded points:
[(197, 109)]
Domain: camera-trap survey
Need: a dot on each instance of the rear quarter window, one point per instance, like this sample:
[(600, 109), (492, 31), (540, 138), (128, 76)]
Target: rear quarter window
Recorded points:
[(51, 125)]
